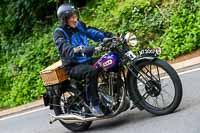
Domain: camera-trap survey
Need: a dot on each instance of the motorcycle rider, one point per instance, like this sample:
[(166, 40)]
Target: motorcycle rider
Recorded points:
[(71, 40)]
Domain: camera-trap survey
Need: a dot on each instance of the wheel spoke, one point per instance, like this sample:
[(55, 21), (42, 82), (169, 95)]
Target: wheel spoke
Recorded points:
[(165, 85), (150, 72), (167, 93), (149, 75), (143, 78), (155, 102), (142, 89), (158, 73), (162, 97), (145, 95)]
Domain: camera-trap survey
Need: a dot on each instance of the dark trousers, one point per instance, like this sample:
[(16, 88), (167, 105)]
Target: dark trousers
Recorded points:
[(89, 74)]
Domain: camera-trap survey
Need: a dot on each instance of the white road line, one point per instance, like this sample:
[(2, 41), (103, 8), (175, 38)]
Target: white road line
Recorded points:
[(25, 113), (185, 72), (189, 71), (44, 108)]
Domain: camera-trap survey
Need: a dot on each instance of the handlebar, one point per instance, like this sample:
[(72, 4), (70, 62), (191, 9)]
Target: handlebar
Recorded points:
[(108, 43), (105, 42)]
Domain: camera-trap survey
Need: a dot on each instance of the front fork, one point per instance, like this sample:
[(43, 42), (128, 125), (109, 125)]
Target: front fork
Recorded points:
[(133, 71)]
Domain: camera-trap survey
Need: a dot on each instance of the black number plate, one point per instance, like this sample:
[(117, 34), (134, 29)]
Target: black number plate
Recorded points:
[(150, 52)]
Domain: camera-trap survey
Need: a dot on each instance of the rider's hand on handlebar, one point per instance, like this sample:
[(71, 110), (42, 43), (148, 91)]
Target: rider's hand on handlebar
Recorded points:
[(78, 49), (98, 49), (106, 40), (88, 51)]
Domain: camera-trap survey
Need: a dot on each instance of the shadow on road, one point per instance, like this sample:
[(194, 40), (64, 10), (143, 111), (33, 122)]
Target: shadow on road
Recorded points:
[(128, 118), (125, 118)]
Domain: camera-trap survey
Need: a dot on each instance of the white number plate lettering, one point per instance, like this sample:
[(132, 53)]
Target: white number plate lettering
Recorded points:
[(130, 55)]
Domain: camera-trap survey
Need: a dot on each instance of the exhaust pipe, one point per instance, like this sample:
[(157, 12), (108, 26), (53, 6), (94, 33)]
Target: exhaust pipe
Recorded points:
[(71, 118)]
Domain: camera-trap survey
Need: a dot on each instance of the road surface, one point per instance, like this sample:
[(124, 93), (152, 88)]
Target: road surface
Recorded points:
[(185, 120)]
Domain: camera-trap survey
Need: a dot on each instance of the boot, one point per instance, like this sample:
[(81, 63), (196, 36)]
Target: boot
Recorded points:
[(96, 111)]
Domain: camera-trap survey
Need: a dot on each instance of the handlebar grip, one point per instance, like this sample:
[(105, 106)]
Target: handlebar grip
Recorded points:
[(105, 40)]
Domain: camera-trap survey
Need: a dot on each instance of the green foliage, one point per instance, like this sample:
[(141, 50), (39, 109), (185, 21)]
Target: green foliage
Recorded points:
[(19, 16), (171, 25), (183, 34), (127, 15), (26, 45), (21, 81)]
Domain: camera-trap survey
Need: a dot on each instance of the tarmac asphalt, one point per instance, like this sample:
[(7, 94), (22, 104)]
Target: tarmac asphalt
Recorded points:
[(184, 120)]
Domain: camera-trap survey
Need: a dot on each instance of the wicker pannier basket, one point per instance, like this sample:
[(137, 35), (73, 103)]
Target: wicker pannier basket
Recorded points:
[(53, 74)]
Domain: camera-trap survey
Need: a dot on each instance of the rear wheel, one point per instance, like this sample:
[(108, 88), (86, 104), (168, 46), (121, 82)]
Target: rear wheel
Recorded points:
[(82, 126), (160, 91)]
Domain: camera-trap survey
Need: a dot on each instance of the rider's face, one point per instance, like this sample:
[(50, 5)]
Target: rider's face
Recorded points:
[(72, 21)]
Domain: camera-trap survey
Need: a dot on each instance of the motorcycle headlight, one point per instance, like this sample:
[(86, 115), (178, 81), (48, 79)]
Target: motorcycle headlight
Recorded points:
[(131, 39)]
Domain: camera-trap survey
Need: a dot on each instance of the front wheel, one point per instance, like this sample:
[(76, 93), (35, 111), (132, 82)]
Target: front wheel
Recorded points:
[(157, 86)]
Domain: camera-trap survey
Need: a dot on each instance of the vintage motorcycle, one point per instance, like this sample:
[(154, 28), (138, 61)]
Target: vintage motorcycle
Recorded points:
[(125, 81)]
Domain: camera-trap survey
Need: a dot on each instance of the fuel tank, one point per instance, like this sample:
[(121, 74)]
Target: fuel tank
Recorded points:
[(108, 62)]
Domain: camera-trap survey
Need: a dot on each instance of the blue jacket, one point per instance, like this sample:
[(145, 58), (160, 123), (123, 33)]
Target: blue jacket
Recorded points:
[(66, 38)]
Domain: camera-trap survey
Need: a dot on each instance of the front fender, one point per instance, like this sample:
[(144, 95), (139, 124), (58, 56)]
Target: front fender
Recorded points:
[(141, 59), (131, 80)]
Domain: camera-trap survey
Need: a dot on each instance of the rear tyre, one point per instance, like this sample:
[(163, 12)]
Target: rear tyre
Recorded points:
[(76, 127), (156, 92)]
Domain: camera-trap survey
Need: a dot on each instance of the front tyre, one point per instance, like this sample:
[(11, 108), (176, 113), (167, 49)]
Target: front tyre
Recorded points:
[(160, 92)]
